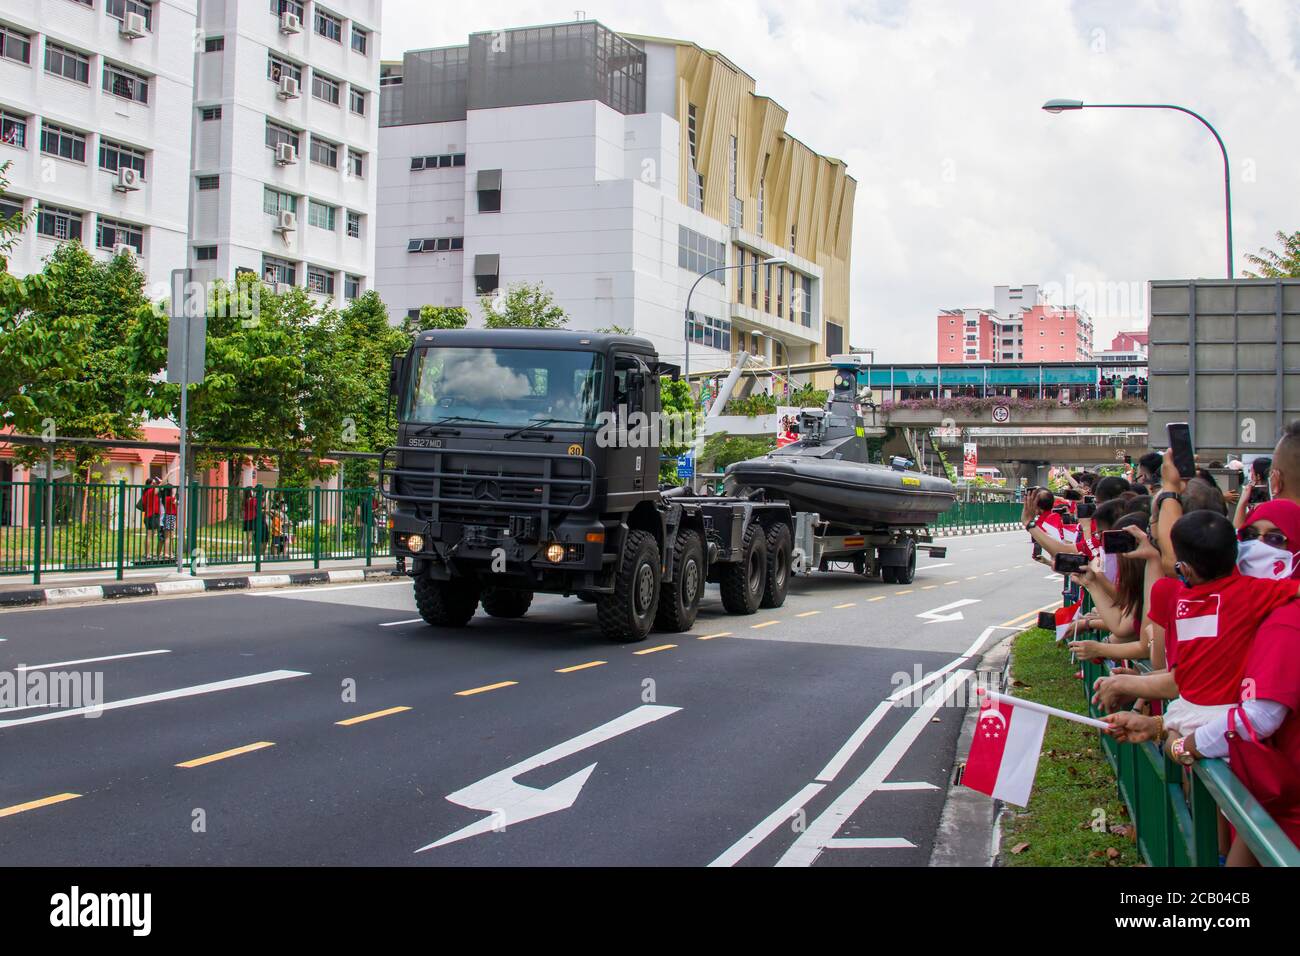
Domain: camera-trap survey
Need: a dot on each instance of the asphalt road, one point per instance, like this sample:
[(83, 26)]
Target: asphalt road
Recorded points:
[(750, 741)]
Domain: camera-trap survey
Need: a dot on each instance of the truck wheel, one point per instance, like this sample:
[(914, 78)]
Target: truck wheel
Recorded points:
[(679, 599), (907, 572), (627, 615), (501, 602), (743, 582), (778, 565), (445, 603)]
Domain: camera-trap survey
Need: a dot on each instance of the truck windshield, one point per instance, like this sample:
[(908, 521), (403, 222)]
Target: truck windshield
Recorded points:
[(505, 387)]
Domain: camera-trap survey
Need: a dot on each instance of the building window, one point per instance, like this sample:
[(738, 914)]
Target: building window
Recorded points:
[(209, 113), (110, 233), (324, 88), (695, 182), (13, 129), (356, 164), (275, 202), (357, 100), (60, 61), (360, 38), (762, 195), (58, 223), (10, 206), (706, 330), (442, 161), (487, 273), (118, 9), (214, 44), (351, 286), (320, 281), (277, 134), (115, 156), (321, 215), (324, 153), (740, 275), (15, 45), (209, 182), (780, 292), (834, 339), (279, 7), (489, 190), (699, 253), (354, 225), (279, 271), (329, 26), (794, 235), (805, 311), (64, 143), (205, 253), (277, 67), (443, 244)]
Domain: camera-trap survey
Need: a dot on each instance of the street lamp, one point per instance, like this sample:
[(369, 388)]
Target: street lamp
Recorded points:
[(686, 360), (1062, 106)]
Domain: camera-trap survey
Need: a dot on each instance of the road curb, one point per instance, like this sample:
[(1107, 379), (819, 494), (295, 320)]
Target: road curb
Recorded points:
[(116, 591)]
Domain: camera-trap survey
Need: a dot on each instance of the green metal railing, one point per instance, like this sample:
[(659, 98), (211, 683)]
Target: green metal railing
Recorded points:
[(972, 517), (1176, 814), (63, 526)]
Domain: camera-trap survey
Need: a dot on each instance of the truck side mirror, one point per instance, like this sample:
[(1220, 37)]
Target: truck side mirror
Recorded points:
[(396, 364)]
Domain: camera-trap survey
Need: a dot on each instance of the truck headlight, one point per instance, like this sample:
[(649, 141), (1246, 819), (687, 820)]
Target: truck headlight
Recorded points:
[(415, 542), (555, 553)]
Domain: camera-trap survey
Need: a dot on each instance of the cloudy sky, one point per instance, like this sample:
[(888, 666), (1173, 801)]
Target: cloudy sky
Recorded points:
[(963, 181)]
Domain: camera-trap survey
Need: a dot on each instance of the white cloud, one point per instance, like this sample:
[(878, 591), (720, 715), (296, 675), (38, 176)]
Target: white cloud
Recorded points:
[(964, 182)]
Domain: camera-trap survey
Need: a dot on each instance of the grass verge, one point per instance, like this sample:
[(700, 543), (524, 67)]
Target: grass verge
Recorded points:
[(1074, 817)]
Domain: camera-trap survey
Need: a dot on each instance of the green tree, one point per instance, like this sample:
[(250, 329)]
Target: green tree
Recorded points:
[(722, 449), (437, 317), (524, 306), (1277, 265), (677, 404)]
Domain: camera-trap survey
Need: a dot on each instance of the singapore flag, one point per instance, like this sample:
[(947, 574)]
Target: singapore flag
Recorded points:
[(1004, 754)]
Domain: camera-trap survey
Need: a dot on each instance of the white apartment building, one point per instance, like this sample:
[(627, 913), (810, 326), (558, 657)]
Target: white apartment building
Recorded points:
[(285, 119), (225, 135), (95, 104), (617, 171)]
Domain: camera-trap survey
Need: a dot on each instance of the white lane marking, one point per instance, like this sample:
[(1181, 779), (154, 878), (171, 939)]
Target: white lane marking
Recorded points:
[(937, 616), (931, 567), (870, 843), (974, 648), (810, 844), (192, 691), (414, 620), (509, 802), (325, 588), (765, 828), (907, 785), (89, 660), (842, 756)]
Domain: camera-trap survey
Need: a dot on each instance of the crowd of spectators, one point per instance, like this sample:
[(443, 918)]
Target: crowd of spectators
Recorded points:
[(1198, 585)]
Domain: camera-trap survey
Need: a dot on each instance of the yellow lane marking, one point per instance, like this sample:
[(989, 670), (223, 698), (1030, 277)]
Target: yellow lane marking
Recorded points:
[(709, 637), (929, 587), (212, 758), (908, 591), (37, 804), (807, 613), (988, 574), (485, 688), (946, 583), (839, 607), (652, 650), (1015, 621), (881, 598), (579, 667), (764, 624), (362, 718), (972, 577)]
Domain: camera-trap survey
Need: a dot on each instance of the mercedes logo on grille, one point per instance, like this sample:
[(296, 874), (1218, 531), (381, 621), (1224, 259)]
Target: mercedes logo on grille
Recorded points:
[(487, 491)]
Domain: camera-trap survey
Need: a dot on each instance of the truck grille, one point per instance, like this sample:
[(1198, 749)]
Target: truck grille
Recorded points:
[(476, 484)]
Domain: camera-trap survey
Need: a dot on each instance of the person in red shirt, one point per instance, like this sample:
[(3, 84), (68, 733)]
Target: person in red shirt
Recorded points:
[(151, 508)]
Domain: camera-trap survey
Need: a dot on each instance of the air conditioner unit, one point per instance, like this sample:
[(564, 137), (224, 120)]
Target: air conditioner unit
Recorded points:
[(128, 179), (285, 221), (133, 27), (122, 249), (288, 88), (285, 154), (289, 23)]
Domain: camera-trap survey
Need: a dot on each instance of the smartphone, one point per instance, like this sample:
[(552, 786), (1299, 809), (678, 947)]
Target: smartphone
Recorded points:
[(1258, 495), (1087, 509), (1068, 563), (1118, 542), (1180, 443)]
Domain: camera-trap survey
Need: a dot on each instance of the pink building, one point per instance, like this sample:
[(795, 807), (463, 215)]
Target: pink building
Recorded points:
[(1022, 327)]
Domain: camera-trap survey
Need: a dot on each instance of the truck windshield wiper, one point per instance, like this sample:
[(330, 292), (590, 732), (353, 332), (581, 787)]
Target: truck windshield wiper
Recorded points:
[(425, 429), (541, 424)]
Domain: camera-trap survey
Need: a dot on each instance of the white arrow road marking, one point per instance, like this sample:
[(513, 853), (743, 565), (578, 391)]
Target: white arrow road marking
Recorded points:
[(509, 802), (249, 681), (935, 616)]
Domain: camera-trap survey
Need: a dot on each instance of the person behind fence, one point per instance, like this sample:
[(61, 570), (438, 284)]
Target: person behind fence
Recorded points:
[(150, 507), (167, 526), (251, 521)]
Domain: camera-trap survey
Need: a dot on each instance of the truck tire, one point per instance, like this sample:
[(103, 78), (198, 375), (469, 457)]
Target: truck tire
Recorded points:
[(778, 565), (445, 603), (502, 602), (743, 582), (627, 615), (907, 572), (679, 599)]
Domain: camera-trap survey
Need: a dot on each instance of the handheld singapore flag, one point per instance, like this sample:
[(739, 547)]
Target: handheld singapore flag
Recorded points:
[(1066, 619), (1008, 740)]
